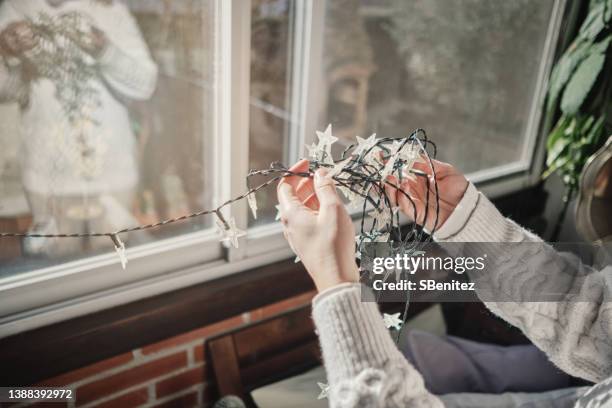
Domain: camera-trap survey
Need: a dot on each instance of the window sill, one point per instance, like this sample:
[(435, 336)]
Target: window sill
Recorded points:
[(44, 352)]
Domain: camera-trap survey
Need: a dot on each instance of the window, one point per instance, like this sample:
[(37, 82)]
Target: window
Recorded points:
[(270, 104), (142, 152), (191, 94), (467, 71)]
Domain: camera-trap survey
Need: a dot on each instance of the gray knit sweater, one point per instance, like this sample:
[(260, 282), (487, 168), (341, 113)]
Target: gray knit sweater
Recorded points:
[(365, 368)]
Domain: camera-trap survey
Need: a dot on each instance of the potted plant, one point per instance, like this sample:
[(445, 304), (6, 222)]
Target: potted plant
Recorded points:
[(580, 88)]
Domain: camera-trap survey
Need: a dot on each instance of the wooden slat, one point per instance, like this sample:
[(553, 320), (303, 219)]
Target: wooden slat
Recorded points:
[(225, 366), (281, 366), (260, 340)]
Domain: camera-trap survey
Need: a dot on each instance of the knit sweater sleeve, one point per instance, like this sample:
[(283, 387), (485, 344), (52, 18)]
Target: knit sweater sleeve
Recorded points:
[(126, 63), (364, 367), (576, 335)]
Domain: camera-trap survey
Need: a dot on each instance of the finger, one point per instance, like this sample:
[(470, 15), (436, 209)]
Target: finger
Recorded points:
[(312, 202), (325, 188), (288, 201), (441, 168), (413, 188), (305, 189), (289, 241), (299, 167), (410, 205)]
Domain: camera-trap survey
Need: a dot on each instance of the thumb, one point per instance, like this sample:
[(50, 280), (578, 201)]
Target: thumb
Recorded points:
[(325, 189)]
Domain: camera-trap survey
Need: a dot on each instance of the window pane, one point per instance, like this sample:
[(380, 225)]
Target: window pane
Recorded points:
[(106, 113), (465, 71), (270, 109)]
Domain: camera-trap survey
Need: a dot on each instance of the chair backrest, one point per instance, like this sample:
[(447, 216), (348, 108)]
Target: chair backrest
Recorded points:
[(263, 352)]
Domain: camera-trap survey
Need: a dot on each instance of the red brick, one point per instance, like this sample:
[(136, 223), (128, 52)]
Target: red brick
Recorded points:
[(198, 353), (179, 382), (84, 372), (128, 378), (185, 401), (131, 399), (283, 305), (200, 333)]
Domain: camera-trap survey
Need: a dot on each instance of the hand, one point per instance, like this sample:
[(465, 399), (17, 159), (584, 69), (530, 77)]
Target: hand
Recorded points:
[(17, 38), (318, 227), (84, 34), (95, 43), (451, 187)]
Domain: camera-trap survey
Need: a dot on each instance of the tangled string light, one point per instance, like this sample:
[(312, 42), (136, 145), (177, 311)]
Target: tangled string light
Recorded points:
[(361, 174)]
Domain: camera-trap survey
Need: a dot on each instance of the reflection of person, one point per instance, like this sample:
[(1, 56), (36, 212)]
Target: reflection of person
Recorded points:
[(77, 137), (364, 366)]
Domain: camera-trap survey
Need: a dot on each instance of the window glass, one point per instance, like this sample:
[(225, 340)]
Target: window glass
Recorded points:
[(465, 71), (269, 100), (106, 122)]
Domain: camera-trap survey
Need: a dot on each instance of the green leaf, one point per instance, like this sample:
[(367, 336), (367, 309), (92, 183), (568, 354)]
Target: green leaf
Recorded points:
[(594, 22), (583, 79), (555, 166), (602, 46), (557, 132), (564, 69), (595, 133), (559, 141)]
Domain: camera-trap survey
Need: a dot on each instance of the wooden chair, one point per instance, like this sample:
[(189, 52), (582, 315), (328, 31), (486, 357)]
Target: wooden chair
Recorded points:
[(263, 352), (270, 350)]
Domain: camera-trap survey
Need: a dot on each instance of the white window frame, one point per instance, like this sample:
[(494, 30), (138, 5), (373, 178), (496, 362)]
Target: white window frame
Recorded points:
[(53, 294)]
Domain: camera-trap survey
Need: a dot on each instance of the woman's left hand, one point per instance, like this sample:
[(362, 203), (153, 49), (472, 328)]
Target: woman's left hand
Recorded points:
[(318, 227)]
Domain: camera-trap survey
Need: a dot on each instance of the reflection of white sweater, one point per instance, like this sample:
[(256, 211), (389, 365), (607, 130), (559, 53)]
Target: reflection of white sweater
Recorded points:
[(365, 369), (52, 161)]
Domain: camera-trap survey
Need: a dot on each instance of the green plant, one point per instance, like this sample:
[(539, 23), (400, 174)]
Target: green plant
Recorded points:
[(580, 87)]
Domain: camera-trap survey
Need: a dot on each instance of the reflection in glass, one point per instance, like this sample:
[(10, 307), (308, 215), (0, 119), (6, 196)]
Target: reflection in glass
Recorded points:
[(105, 110)]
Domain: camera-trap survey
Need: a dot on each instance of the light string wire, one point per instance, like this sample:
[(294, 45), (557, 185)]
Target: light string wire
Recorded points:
[(362, 174), (366, 178)]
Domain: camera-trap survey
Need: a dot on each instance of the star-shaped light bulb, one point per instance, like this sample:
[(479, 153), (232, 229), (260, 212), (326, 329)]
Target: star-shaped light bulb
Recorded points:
[(324, 390), (230, 232), (373, 158), (313, 151), (364, 144), (410, 154), (347, 193), (338, 167), (355, 202), (278, 212), (374, 236), (384, 237), (252, 200), (381, 217), (120, 250), (388, 169), (392, 321), (326, 139)]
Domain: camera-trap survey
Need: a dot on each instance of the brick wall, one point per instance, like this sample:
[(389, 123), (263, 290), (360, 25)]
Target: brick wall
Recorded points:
[(170, 373)]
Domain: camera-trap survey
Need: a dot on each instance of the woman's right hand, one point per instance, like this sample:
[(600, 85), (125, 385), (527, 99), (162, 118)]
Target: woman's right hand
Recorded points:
[(318, 227), (17, 38), (452, 184)]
